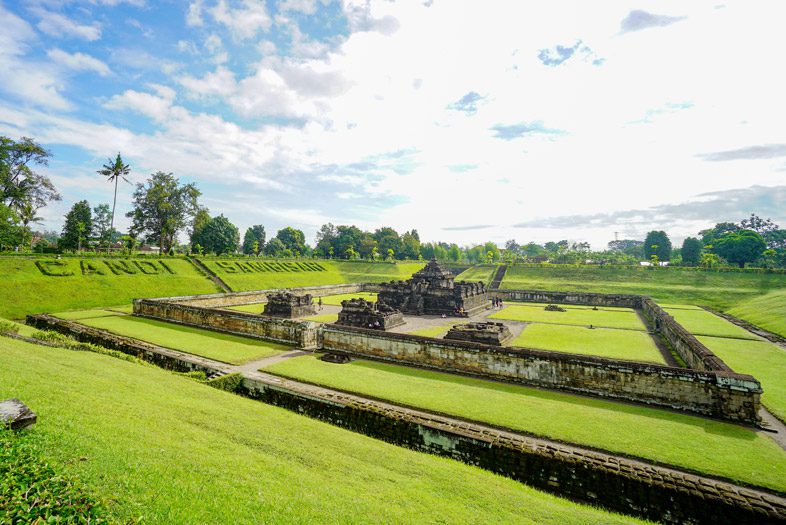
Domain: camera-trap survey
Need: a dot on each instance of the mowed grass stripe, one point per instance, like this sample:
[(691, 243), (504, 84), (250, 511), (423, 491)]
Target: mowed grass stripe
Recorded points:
[(767, 311), (169, 450), (335, 300), (702, 322), (213, 345), (627, 319), (695, 443), (761, 359), (630, 345)]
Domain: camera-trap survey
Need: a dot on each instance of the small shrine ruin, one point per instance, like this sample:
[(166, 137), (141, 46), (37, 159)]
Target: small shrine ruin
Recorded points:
[(289, 306), (433, 291), (365, 314), (488, 333)]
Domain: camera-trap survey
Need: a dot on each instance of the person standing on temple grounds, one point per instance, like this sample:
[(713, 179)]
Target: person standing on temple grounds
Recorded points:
[(319, 302)]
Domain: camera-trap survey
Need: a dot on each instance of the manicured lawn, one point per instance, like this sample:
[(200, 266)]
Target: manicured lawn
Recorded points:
[(679, 306), (335, 300), (480, 272), (627, 319), (335, 272), (691, 442), (761, 359), (25, 290), (436, 331), (157, 448), (213, 345), (702, 322), (323, 318), (720, 290), (630, 345), (253, 308), (767, 311), (75, 315)]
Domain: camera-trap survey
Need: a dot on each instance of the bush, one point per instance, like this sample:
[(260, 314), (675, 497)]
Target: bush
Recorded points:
[(229, 382), (7, 327), (65, 341), (32, 491)]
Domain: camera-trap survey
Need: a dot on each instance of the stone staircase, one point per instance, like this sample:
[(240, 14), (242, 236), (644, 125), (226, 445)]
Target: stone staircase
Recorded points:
[(210, 274), (497, 280)]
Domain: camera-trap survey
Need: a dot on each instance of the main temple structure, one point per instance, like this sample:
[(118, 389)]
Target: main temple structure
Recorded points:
[(433, 291)]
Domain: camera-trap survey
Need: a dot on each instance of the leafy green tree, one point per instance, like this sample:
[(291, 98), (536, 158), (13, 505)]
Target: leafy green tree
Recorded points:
[(28, 215), (454, 253), (275, 248), (201, 218), (326, 239), (102, 225), (219, 236), (19, 184), (388, 239), (114, 170), (657, 243), (410, 245), (709, 236), (10, 232), (294, 240), (759, 225), (162, 208), (78, 226), (390, 254), (368, 247), (346, 237), (691, 251), (744, 246), (254, 234)]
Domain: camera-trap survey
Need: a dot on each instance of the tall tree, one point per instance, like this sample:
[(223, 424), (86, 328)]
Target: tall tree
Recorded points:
[(691, 251), (115, 170), (759, 225), (201, 218), (410, 245), (708, 236), (657, 243), (10, 232), (740, 247), (275, 248), (326, 239), (388, 239), (102, 224), (253, 234), (162, 208), (219, 236), (294, 240), (28, 215), (78, 226)]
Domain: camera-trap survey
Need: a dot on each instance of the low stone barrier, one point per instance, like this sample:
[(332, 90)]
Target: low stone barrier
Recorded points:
[(719, 394), (579, 298), (218, 300), (299, 333)]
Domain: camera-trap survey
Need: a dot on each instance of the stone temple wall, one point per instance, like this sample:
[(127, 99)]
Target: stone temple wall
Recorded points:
[(724, 395), (218, 300)]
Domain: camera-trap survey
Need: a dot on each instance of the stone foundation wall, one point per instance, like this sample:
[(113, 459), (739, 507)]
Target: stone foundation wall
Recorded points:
[(583, 298), (722, 395), (299, 333), (260, 296)]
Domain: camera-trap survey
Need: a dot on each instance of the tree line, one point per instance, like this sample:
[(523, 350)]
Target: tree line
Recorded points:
[(163, 208)]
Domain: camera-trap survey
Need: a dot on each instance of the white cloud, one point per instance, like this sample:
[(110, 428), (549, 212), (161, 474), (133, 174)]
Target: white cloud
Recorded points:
[(245, 21), (78, 61), (56, 24), (194, 14)]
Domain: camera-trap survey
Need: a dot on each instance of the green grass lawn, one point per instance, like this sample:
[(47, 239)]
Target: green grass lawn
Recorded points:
[(720, 290), (479, 272), (335, 300), (25, 290), (627, 319), (159, 448), (226, 348), (695, 443), (436, 331), (761, 359), (630, 345), (702, 322), (253, 308), (323, 318), (336, 272), (76, 315), (767, 311)]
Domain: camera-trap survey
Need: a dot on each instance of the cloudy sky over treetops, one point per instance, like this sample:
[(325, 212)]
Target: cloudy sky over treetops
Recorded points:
[(469, 121)]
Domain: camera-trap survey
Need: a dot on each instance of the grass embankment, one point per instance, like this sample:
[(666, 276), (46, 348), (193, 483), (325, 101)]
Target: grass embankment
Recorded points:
[(480, 272), (259, 277), (213, 345), (157, 447), (333, 300), (577, 316), (436, 331), (702, 322), (767, 311), (720, 290), (26, 290), (761, 359), (695, 443)]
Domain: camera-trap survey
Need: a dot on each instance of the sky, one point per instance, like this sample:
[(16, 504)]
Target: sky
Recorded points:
[(468, 121)]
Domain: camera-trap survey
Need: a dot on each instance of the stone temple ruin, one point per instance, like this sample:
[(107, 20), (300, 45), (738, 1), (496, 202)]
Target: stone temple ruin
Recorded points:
[(289, 305), (488, 333), (365, 314), (433, 291)]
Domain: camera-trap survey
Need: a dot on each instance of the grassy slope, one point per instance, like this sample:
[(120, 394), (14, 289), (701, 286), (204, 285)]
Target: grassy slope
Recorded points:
[(480, 272), (717, 289), (761, 359), (631, 345), (335, 300), (435, 331), (702, 322), (767, 311), (214, 345), (160, 446), (626, 319), (336, 273), (696, 443), (26, 290)]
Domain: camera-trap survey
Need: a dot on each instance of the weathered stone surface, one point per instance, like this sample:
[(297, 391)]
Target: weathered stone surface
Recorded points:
[(555, 308), (339, 359), (488, 333), (289, 305), (432, 290), (15, 415), (366, 314)]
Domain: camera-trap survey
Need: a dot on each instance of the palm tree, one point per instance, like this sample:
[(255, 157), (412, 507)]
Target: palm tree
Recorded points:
[(114, 170), (28, 215)]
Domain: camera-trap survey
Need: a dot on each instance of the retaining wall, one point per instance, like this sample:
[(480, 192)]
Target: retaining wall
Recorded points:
[(260, 296), (720, 394), (299, 333)]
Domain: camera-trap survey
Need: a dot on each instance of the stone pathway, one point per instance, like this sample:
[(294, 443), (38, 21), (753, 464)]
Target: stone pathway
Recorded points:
[(253, 366)]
